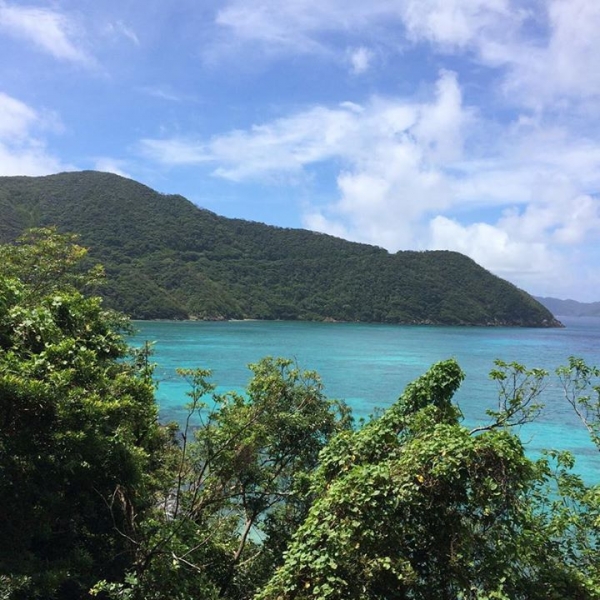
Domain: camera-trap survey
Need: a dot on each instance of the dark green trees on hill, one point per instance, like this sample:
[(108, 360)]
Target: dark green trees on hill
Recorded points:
[(78, 426), (166, 258)]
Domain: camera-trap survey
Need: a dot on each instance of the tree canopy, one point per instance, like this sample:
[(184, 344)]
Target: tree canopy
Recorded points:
[(78, 424), (270, 494), (415, 506)]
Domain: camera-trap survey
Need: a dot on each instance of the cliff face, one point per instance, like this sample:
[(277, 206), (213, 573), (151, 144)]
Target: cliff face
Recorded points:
[(167, 258)]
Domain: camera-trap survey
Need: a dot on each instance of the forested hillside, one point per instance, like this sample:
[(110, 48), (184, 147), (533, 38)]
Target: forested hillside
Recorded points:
[(167, 258)]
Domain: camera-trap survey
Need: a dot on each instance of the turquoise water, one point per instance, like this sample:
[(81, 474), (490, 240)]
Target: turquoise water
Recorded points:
[(368, 365)]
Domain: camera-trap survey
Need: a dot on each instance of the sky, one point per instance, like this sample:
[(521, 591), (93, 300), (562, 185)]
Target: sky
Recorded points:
[(467, 125)]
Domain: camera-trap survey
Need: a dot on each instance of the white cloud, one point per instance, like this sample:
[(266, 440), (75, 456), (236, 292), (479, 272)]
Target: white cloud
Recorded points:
[(275, 22), (285, 145), (111, 165), (581, 219), (15, 117), (270, 25), (49, 30), (457, 23), (360, 60), (564, 66), (391, 155), (564, 218), (175, 152), (396, 172), (493, 247), (303, 27), (360, 135), (22, 151), (304, 22), (30, 159), (548, 50), (535, 265), (118, 29), (545, 51), (538, 246)]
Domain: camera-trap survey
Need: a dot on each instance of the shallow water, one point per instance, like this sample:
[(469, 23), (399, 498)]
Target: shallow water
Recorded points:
[(368, 365)]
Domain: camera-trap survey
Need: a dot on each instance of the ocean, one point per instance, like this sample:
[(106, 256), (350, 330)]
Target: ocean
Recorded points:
[(368, 365)]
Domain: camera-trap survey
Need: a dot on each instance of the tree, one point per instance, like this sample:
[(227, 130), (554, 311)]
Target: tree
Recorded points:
[(581, 386), (268, 494), (78, 425), (45, 261), (239, 484), (414, 506), (572, 515)]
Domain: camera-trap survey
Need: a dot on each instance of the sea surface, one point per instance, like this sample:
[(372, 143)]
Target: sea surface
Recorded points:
[(368, 365)]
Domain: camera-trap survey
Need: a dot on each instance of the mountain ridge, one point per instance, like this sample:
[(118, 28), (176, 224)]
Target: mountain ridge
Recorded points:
[(569, 308), (168, 258)]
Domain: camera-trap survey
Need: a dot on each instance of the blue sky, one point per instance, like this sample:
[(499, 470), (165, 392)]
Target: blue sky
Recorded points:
[(470, 125)]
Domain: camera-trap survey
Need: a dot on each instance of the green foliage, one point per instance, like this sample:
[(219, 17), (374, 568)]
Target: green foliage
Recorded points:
[(45, 262), (271, 494), (581, 385), (414, 506), (165, 258), (566, 515), (519, 390), (77, 425), (239, 485)]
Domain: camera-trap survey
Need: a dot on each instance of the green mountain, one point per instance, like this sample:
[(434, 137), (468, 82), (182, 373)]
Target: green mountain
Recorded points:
[(167, 258)]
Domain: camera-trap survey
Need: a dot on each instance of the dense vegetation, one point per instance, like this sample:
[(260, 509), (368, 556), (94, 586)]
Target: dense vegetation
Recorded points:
[(273, 494), (166, 258)]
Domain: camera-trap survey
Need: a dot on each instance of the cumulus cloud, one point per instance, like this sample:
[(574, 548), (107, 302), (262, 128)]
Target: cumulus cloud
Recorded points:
[(392, 154), (49, 30), (537, 243), (548, 53), (408, 175), (540, 185), (22, 151), (565, 64), (397, 168), (536, 266), (492, 246), (545, 52)]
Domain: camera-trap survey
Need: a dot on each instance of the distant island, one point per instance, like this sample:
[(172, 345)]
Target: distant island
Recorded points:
[(570, 308), (166, 258)]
